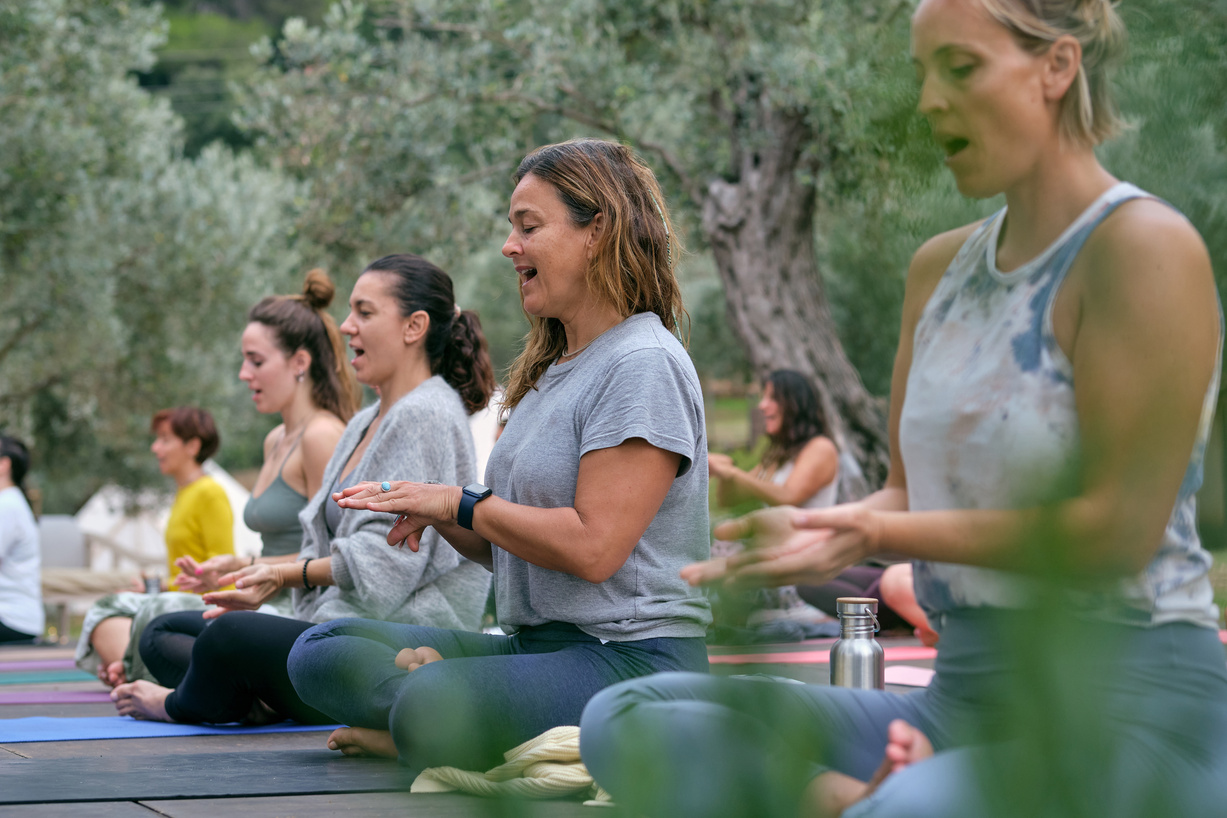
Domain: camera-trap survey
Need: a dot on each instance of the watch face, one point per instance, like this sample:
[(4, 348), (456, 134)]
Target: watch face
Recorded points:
[(477, 490)]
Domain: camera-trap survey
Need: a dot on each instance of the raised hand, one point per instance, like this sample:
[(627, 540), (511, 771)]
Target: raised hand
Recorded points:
[(790, 547), (418, 505), (253, 586), (719, 465), (197, 578)]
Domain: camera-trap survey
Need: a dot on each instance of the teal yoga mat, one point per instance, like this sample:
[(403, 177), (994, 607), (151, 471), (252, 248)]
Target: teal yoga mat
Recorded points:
[(48, 728), (42, 676)]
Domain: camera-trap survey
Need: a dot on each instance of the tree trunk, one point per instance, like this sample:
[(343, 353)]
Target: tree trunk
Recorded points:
[(760, 227)]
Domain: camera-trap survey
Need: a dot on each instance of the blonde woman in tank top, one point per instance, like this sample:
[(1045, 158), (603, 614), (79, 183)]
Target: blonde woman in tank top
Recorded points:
[(1057, 371)]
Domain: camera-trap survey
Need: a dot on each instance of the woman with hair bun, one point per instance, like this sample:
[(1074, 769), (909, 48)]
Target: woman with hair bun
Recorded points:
[(294, 364), (1056, 376), (21, 598), (428, 362), (597, 494)]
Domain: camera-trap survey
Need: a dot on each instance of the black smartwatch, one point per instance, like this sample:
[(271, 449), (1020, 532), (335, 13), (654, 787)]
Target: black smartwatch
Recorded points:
[(470, 495)]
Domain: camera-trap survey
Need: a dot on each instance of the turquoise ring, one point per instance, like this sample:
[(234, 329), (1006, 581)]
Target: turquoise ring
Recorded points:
[(385, 485)]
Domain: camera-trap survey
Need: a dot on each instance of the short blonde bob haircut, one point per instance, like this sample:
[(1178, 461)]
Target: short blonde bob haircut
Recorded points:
[(635, 256), (1088, 112)]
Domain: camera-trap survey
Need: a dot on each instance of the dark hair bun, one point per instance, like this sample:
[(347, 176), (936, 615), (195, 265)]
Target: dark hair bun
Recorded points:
[(318, 289)]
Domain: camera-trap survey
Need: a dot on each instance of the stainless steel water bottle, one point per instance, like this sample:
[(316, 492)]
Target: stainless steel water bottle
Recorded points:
[(856, 658)]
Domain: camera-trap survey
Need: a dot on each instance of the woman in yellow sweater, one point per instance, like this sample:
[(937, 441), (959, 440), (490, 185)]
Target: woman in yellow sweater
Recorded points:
[(201, 523), (201, 526)]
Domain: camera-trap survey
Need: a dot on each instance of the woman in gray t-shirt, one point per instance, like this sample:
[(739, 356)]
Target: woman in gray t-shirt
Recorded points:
[(597, 495)]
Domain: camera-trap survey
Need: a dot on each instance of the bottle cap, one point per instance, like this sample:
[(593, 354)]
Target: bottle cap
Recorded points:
[(856, 605)]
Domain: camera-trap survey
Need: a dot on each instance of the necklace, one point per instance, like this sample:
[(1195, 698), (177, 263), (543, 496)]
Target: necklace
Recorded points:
[(572, 354)]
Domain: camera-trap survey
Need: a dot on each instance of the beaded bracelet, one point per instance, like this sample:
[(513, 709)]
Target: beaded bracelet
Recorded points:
[(305, 585)]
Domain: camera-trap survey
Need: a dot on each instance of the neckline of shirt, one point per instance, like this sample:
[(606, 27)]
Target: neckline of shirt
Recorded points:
[(1112, 194)]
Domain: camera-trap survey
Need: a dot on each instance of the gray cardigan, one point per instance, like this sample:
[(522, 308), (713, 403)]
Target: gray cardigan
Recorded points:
[(425, 436)]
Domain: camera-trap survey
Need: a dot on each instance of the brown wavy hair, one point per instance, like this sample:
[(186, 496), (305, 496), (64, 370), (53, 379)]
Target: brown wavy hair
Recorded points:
[(633, 263), (302, 322)]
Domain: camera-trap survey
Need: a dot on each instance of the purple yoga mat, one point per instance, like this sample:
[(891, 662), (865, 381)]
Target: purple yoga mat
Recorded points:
[(38, 664), (56, 697)]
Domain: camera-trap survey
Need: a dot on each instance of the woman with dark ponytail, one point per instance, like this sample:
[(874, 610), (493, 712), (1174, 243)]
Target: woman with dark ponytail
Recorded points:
[(21, 599), (430, 368)]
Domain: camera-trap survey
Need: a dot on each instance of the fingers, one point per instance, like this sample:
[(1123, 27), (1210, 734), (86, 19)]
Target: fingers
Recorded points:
[(707, 572), (737, 529)]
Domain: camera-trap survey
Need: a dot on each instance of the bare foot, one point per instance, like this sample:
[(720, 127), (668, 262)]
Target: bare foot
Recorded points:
[(141, 700), (261, 714), (112, 675), (411, 659), (831, 792), (905, 745), (362, 741)]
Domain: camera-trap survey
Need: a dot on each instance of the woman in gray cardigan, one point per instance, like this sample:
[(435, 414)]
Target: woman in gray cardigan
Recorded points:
[(429, 364)]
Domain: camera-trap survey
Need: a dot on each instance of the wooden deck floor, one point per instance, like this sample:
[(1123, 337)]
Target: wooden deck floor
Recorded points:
[(261, 775)]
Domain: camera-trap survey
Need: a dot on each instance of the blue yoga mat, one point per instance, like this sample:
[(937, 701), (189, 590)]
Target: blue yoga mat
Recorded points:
[(47, 728), (45, 676)]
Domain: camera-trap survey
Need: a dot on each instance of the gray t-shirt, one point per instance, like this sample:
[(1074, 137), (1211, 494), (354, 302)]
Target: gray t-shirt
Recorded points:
[(635, 381)]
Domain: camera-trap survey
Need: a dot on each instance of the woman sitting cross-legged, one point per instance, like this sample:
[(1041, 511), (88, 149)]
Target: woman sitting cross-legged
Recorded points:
[(294, 364), (429, 363), (597, 497), (1057, 370)]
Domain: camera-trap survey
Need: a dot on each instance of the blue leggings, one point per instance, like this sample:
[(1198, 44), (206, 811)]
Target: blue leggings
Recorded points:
[(490, 694), (1129, 723)]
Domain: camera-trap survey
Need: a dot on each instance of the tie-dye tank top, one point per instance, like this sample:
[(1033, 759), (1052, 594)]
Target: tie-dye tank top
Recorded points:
[(989, 422)]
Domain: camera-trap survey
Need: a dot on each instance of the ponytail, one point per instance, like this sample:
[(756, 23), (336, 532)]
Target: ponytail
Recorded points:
[(465, 361)]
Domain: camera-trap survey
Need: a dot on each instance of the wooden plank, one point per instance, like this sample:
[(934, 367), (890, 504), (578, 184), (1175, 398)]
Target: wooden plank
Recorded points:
[(145, 747), (112, 809), (380, 805), (164, 776)]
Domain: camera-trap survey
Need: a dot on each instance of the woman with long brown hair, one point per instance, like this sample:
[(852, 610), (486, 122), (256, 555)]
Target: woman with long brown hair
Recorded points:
[(597, 494)]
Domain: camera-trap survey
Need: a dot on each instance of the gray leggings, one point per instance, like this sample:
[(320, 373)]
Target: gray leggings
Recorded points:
[(1113, 721)]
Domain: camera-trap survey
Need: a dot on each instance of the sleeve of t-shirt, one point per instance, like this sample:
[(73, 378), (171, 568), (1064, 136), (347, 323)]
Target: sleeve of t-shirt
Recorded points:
[(645, 394)]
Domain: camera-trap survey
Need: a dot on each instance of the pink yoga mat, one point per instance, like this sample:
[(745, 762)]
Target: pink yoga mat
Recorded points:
[(56, 697), (38, 664), (909, 675), (903, 653)]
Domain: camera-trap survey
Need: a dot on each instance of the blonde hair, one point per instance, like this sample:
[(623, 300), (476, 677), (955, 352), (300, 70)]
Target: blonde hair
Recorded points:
[(1088, 111), (633, 264)]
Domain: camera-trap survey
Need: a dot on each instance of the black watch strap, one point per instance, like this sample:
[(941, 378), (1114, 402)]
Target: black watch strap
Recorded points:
[(470, 496)]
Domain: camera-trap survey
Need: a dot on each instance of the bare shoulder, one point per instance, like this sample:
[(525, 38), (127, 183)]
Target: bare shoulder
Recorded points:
[(819, 448), (321, 435), (1148, 255), (272, 438), (930, 262)]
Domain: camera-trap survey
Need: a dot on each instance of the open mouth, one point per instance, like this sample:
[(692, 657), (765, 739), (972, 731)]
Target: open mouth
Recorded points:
[(953, 145), (527, 276)]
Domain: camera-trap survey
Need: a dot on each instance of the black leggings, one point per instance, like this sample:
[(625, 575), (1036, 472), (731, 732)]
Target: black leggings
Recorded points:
[(859, 580), (7, 634), (220, 667)]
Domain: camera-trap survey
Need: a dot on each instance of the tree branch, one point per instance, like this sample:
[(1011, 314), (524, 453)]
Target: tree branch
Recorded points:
[(21, 331)]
